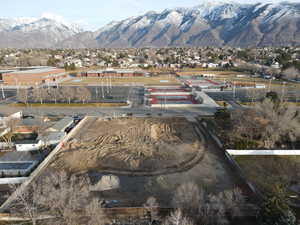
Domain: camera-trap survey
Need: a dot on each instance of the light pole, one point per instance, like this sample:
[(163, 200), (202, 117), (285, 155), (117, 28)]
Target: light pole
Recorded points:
[(97, 92), (102, 89), (282, 91), (107, 85), (270, 82), (3, 94), (234, 89)]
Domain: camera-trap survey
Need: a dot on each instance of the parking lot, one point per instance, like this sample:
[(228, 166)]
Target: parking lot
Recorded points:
[(135, 94), (244, 96)]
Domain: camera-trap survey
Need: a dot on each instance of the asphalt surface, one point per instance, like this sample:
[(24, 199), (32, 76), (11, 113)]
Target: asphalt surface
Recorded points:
[(244, 96), (7, 93), (124, 93), (136, 96), (99, 94)]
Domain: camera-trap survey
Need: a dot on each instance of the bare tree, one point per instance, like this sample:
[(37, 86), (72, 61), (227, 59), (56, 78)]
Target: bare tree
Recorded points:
[(177, 218), (254, 94), (212, 212), (25, 204), (152, 206), (83, 94), (291, 73), (63, 197), (36, 95), (188, 197), (281, 122), (10, 124), (233, 201), (95, 213), (68, 93), (22, 95), (269, 124), (40, 94), (54, 93)]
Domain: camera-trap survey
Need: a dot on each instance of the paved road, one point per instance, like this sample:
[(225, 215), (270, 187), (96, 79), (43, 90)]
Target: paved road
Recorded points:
[(100, 93), (94, 111), (7, 93)]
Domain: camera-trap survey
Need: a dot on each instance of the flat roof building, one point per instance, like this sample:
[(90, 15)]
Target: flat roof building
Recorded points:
[(33, 76), (114, 73)]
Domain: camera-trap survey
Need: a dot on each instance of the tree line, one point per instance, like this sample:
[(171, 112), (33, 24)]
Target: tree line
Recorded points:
[(271, 123), (59, 198), (54, 95), (62, 199)]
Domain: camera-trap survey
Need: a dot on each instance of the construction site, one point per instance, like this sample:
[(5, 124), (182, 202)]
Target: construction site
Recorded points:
[(130, 159)]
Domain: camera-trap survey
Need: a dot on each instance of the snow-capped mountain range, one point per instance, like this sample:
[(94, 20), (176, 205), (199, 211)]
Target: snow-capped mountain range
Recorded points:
[(209, 24), (46, 31)]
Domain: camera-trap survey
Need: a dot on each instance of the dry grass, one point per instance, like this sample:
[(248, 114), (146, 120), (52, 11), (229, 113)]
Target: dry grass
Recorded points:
[(125, 81), (266, 171), (205, 71)]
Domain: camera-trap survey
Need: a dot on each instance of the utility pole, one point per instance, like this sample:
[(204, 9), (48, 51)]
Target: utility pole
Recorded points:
[(283, 86), (165, 103), (3, 95), (234, 89), (102, 89), (269, 88), (107, 85), (110, 83), (97, 92)]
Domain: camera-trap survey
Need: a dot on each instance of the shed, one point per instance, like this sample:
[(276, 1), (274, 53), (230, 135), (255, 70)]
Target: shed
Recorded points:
[(28, 145)]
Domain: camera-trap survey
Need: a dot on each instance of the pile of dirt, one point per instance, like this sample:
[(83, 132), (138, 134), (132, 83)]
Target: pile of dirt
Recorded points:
[(130, 143)]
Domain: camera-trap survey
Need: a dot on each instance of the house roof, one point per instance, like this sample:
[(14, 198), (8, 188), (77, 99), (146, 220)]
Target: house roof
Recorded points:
[(62, 124), (26, 142), (52, 136), (18, 156), (37, 70)]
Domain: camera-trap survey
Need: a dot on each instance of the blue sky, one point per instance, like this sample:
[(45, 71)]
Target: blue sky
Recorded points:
[(92, 14)]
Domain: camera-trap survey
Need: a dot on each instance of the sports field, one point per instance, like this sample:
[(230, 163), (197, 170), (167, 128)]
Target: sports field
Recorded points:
[(159, 80)]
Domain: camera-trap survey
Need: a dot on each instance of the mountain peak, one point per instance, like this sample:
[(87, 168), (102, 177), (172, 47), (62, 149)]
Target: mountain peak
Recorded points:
[(211, 23), (215, 23)]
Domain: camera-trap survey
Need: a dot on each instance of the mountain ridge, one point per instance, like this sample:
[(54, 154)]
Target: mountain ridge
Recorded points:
[(225, 23)]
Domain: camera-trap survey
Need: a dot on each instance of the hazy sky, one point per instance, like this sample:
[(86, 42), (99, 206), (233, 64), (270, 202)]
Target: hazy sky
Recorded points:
[(93, 13)]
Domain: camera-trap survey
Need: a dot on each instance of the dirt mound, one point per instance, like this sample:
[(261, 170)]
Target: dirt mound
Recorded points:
[(136, 143)]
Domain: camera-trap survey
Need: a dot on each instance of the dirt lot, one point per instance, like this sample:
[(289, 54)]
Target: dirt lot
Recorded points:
[(117, 153), (130, 144)]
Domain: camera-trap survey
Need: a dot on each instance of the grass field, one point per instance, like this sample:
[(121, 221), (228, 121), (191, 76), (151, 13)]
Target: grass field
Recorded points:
[(266, 171), (69, 105), (166, 80), (191, 72)]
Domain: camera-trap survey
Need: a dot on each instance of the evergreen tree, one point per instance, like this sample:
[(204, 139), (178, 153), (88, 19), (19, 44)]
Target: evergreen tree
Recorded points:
[(273, 213), (275, 210)]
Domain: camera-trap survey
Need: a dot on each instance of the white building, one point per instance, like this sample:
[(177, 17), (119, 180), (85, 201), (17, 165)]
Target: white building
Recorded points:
[(28, 145)]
